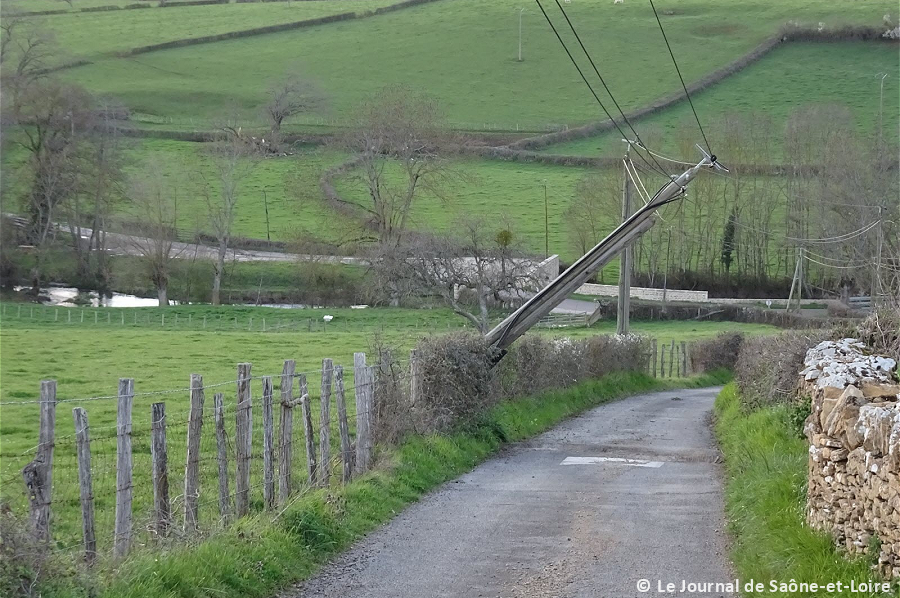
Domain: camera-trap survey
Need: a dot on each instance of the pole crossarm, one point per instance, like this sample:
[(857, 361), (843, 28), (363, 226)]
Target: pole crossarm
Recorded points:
[(545, 300)]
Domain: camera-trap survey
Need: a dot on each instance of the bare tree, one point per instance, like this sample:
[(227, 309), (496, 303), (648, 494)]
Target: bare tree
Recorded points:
[(294, 95), (396, 137), (53, 120), (468, 273), (100, 163), (25, 52), (155, 199), (234, 160)]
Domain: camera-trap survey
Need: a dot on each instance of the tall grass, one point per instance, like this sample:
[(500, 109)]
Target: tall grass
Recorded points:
[(765, 495)]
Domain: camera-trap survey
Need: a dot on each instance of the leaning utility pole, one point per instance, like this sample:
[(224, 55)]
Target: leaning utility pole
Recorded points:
[(623, 311), (543, 302), (796, 282)]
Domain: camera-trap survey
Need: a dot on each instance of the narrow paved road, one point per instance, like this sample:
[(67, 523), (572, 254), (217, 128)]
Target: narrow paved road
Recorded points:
[(528, 525)]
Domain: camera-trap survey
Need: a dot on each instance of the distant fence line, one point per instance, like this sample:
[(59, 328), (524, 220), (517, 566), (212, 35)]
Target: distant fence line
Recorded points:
[(116, 316)]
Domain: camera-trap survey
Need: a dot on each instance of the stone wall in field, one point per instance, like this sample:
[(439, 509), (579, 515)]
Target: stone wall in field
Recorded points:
[(854, 453)]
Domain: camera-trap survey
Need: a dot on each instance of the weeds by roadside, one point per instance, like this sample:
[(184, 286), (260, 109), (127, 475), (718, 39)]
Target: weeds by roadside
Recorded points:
[(765, 463)]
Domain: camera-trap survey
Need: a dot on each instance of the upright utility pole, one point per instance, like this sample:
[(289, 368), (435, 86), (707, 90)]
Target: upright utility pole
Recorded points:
[(521, 10), (623, 311), (880, 109), (266, 204), (546, 223), (876, 280)]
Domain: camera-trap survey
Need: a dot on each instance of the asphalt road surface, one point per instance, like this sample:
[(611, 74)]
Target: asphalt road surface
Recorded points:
[(629, 491)]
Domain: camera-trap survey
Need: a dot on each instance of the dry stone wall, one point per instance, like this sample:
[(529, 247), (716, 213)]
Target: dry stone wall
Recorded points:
[(854, 453)]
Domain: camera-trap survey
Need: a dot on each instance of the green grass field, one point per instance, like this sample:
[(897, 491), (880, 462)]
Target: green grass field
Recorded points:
[(468, 45), (492, 190), (87, 359), (94, 34), (790, 77)]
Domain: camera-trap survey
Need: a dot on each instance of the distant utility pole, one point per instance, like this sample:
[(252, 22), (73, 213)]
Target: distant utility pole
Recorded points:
[(880, 105), (876, 280), (266, 204), (796, 281), (623, 311), (546, 223), (521, 10)]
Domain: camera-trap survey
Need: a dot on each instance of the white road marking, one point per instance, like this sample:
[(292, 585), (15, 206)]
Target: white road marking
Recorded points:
[(598, 460)]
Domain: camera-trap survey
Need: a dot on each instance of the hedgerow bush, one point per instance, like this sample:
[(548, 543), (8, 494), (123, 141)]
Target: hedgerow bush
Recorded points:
[(715, 353), (767, 368), (458, 379)]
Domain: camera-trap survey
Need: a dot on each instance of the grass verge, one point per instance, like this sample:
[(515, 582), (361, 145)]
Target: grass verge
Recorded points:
[(257, 556), (765, 493)]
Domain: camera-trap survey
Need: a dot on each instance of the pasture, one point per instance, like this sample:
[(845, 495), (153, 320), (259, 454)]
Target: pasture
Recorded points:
[(87, 359), (788, 78), (102, 33), (464, 53)]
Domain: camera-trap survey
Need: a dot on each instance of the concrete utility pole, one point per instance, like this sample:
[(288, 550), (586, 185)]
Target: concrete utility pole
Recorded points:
[(543, 302), (876, 280), (546, 223), (623, 311), (521, 10), (796, 282), (880, 109)]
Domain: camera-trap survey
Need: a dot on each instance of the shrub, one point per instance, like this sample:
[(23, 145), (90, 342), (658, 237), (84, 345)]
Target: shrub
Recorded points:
[(458, 381), (767, 368), (881, 332), (715, 353)]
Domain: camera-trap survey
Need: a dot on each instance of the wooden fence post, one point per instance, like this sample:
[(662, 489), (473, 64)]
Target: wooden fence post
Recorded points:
[(222, 456), (124, 464), (85, 483), (416, 379), (655, 357), (38, 474), (159, 455), (308, 431), (360, 383), (192, 462), (243, 441), (370, 413), (286, 435), (672, 372), (343, 425), (662, 361), (325, 423), (684, 360), (268, 443)]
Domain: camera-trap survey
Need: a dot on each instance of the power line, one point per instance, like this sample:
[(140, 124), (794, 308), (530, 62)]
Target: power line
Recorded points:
[(605, 86), (581, 73), (838, 238), (678, 70)]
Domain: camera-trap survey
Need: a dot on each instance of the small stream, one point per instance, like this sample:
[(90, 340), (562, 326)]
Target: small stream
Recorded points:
[(65, 297), (62, 296)]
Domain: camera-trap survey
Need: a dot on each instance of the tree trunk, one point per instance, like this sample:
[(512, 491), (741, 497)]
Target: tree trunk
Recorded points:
[(218, 268), (162, 293)]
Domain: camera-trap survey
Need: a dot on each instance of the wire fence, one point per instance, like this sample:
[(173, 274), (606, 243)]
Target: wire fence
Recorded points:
[(173, 319), (141, 468), (186, 464)]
